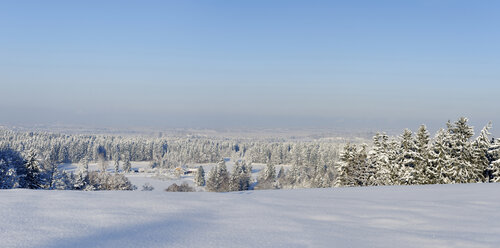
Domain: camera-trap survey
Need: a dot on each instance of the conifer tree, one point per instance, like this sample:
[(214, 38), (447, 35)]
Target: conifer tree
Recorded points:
[(12, 169), (32, 171), (245, 176), (200, 176), (461, 153), (422, 162), (127, 166), (267, 177), (212, 178), (234, 181), (439, 171), (223, 177), (406, 158), (218, 178), (383, 157), (281, 178), (353, 169), (269, 173), (117, 164), (82, 177), (494, 167), (480, 157)]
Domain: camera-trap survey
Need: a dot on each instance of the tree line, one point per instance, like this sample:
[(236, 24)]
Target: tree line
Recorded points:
[(452, 156), (18, 171)]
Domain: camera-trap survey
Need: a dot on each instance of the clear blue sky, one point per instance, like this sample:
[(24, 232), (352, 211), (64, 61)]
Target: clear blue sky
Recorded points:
[(380, 64)]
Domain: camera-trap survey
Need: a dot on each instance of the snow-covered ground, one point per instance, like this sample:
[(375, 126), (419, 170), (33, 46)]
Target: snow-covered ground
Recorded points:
[(398, 216)]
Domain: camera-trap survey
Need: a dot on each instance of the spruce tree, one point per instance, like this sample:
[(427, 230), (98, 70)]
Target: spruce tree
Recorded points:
[(267, 177), (82, 177), (245, 176), (269, 173), (222, 177), (12, 169), (422, 161), (218, 178), (281, 178), (353, 169), (127, 166), (383, 158), (117, 164), (200, 177), (494, 166), (439, 170), (406, 158), (212, 178), (463, 169), (480, 157), (32, 171), (234, 181)]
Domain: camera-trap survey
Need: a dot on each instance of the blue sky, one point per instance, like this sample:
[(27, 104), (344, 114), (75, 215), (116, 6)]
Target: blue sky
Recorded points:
[(359, 64)]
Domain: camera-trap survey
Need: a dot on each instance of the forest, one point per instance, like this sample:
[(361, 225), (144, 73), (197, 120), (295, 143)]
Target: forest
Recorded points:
[(453, 155)]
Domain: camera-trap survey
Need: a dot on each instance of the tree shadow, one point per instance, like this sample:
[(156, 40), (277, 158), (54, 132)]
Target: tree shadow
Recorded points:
[(174, 230)]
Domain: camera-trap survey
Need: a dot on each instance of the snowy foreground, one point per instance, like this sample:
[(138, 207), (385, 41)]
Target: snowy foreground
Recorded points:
[(412, 216)]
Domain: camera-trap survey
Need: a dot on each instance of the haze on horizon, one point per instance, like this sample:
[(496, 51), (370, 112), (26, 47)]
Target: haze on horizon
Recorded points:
[(348, 64)]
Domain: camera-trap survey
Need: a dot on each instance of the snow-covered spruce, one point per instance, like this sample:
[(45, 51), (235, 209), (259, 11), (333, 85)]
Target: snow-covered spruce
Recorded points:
[(453, 156)]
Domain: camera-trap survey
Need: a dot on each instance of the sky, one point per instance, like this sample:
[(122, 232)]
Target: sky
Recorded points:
[(267, 64)]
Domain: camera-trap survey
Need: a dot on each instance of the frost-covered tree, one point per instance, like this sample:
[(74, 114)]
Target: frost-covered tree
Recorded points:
[(269, 173), (117, 165), (49, 173), (281, 178), (223, 176), (267, 177), (494, 167), (82, 177), (101, 157), (281, 173), (12, 170), (323, 177), (352, 169), (422, 156), (33, 180), (480, 158), (407, 158), (463, 169), (245, 175), (383, 158), (218, 178), (211, 181), (81, 180), (234, 179), (127, 166), (63, 181), (439, 169), (108, 181), (199, 179), (53, 178)]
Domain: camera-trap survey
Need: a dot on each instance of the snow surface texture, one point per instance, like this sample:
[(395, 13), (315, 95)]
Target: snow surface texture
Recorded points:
[(396, 216)]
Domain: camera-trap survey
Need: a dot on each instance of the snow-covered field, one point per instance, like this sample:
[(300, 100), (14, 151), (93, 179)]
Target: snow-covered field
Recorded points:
[(398, 216)]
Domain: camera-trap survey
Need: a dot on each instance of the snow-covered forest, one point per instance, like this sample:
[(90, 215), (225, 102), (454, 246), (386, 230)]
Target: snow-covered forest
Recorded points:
[(453, 155)]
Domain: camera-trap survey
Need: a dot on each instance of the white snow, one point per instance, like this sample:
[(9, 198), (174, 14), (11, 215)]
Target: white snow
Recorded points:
[(396, 216)]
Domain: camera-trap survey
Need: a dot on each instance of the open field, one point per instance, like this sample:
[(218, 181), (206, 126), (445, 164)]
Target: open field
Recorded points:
[(398, 216)]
